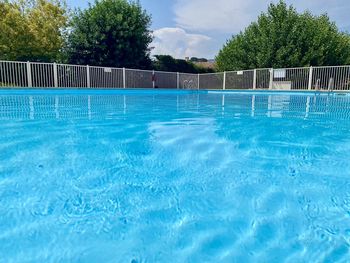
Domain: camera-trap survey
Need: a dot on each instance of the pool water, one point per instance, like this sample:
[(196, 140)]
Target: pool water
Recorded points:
[(174, 176)]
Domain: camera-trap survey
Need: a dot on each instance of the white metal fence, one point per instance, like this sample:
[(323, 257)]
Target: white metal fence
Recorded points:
[(52, 75)]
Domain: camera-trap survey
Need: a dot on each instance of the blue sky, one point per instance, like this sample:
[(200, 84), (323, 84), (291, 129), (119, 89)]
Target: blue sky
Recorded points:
[(200, 27)]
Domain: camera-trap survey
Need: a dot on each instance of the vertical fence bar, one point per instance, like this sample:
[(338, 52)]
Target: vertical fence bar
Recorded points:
[(177, 80), (271, 78), (346, 78), (29, 75), (198, 82), (330, 83), (11, 78), (254, 79), (340, 78), (88, 76), (2, 78), (153, 79), (55, 80), (224, 81), (124, 79), (310, 78)]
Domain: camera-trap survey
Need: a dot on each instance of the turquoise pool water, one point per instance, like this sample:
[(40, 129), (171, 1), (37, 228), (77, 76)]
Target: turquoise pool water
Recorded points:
[(174, 176)]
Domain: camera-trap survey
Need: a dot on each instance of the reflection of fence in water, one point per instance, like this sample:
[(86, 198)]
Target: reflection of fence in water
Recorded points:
[(115, 105)]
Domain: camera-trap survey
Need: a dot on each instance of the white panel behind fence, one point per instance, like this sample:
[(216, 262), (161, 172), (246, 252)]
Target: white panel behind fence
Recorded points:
[(211, 81), (291, 78), (13, 74)]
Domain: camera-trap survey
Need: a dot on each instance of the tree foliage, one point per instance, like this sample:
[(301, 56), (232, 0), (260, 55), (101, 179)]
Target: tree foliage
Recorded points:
[(168, 63), (110, 33), (282, 37), (32, 30)]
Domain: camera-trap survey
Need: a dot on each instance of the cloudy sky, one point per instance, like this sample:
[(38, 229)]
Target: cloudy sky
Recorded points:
[(199, 28)]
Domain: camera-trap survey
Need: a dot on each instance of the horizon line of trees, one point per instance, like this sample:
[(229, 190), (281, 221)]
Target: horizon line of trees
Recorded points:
[(117, 33)]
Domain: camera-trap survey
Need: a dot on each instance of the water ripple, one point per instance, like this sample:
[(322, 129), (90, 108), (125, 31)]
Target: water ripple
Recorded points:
[(174, 177)]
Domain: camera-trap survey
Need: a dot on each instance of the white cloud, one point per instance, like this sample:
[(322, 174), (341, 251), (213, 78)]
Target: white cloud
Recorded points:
[(178, 43), (219, 15), (214, 21), (231, 16)]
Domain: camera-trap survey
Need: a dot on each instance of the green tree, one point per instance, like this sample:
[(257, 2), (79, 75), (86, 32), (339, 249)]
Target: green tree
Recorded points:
[(282, 37), (111, 33), (32, 30), (168, 63)]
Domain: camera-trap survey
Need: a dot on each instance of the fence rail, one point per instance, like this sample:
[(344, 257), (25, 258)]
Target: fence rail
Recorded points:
[(54, 75)]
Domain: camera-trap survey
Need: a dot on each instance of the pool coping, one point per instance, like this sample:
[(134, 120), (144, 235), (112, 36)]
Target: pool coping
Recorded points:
[(87, 91)]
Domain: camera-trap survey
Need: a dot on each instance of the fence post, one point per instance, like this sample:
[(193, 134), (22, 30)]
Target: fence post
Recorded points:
[(198, 81), (124, 78), (177, 80), (153, 79), (224, 81), (271, 78), (55, 80), (88, 76), (29, 75), (254, 79), (310, 78), (330, 84)]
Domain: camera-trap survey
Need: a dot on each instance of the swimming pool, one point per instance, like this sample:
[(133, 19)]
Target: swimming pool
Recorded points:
[(174, 176)]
